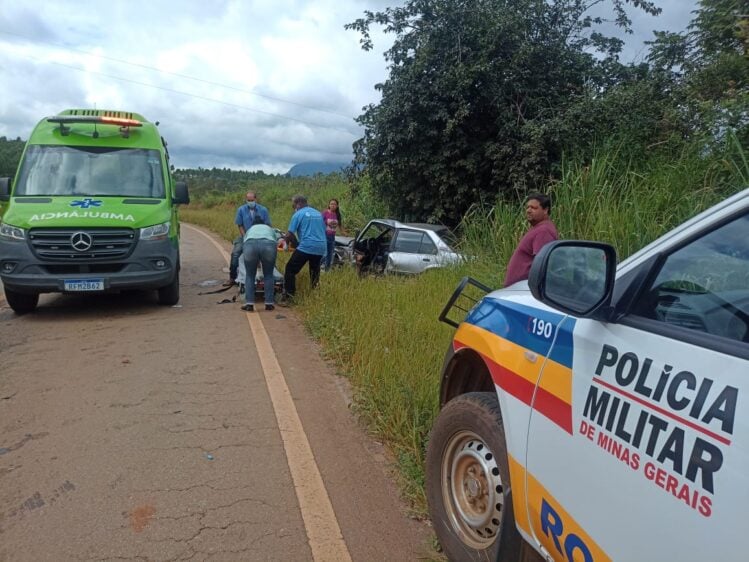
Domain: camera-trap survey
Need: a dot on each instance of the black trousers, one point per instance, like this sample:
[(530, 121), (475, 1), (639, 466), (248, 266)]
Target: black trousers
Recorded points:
[(295, 264)]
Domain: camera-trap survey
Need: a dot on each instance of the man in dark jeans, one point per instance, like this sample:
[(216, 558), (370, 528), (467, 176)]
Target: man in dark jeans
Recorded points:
[(244, 219), (308, 228)]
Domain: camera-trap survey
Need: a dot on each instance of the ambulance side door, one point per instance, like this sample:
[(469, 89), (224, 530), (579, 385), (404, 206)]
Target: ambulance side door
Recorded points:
[(655, 465)]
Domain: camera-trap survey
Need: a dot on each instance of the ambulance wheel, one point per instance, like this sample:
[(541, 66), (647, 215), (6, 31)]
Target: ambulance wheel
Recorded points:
[(468, 481), (169, 295), (21, 303)]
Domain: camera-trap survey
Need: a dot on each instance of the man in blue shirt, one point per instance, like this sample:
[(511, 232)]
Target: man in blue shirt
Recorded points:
[(308, 227), (244, 219)]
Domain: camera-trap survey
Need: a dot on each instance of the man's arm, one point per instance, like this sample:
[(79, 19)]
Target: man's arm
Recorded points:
[(541, 239), (239, 222), (290, 235), (265, 215)]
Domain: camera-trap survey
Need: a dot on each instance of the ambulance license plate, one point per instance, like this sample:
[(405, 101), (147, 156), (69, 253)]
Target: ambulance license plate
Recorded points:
[(84, 285)]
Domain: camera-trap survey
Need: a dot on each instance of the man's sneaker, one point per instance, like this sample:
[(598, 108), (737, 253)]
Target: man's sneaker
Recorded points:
[(269, 307), (248, 307)]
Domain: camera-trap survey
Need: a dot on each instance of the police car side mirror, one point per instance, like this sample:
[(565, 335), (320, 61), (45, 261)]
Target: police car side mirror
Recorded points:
[(181, 195), (574, 276), (4, 189)]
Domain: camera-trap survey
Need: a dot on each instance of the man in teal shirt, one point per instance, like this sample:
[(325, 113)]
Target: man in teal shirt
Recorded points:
[(308, 227)]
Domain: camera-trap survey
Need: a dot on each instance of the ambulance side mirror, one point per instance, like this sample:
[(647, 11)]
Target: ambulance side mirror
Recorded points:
[(4, 189), (181, 195)]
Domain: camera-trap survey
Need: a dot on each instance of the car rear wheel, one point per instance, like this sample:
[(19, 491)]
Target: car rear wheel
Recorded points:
[(468, 481), (21, 303)]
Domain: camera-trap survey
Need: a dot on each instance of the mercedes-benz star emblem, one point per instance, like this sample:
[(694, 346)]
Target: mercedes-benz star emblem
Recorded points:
[(81, 241)]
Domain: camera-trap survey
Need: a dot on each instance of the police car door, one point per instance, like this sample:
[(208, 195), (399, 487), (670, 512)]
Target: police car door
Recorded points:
[(653, 465)]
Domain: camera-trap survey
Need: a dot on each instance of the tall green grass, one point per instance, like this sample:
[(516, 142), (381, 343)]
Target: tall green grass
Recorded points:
[(382, 332), (216, 211)]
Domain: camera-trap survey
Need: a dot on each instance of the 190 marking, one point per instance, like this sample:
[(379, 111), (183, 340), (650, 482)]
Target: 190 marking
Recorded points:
[(539, 327)]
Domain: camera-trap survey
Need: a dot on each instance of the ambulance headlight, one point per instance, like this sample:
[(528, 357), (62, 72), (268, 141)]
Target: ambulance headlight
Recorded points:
[(10, 232), (155, 232)]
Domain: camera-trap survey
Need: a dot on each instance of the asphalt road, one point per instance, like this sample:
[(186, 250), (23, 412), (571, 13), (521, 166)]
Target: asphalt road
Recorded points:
[(130, 431)]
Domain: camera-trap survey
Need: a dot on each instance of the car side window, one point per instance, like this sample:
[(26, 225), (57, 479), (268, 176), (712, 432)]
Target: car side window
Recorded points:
[(704, 285), (427, 246), (408, 241)]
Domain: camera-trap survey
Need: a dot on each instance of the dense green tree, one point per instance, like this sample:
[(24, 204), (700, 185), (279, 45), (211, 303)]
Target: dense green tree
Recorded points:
[(10, 155), (475, 103), (709, 67)]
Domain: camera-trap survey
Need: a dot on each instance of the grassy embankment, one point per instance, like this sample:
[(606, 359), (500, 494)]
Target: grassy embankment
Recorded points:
[(383, 333)]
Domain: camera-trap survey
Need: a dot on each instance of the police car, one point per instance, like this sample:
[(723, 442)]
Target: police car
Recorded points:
[(594, 412)]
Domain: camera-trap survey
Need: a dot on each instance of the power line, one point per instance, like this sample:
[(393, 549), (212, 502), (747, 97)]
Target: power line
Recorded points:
[(196, 96), (176, 74)]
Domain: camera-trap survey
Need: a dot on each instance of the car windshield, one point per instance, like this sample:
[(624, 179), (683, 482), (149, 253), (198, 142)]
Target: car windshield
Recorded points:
[(76, 170)]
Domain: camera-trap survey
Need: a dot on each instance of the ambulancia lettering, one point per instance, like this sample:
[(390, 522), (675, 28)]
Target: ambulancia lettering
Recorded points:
[(82, 215)]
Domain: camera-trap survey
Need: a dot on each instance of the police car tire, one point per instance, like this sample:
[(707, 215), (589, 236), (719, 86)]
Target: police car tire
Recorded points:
[(21, 303), (476, 412), (169, 295)]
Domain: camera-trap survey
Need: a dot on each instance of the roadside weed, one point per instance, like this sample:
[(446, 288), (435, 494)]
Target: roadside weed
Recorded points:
[(382, 332)]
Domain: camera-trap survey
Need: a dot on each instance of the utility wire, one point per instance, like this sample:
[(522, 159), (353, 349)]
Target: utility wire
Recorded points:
[(204, 98), (176, 74)]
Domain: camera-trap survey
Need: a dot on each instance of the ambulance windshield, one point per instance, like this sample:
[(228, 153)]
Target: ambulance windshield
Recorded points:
[(75, 170)]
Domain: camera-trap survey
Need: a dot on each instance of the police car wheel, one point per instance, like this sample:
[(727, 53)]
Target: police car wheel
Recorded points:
[(468, 481), (21, 303)]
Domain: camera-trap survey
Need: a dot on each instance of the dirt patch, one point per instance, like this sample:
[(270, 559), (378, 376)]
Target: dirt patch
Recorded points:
[(140, 517)]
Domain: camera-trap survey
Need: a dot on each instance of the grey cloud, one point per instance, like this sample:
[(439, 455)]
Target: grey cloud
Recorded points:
[(24, 19), (246, 130)]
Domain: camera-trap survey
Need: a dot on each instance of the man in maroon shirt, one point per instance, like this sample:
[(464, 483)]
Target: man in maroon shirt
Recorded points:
[(541, 232)]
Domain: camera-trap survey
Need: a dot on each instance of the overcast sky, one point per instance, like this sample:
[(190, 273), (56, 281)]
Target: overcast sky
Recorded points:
[(255, 85)]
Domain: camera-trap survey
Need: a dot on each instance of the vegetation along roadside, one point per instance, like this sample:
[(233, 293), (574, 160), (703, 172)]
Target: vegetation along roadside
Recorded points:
[(481, 106), (382, 332)]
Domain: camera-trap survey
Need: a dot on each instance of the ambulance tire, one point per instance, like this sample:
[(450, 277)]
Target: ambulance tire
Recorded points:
[(473, 519), (169, 295), (21, 303)]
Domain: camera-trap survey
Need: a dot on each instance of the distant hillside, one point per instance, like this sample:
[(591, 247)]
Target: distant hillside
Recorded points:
[(312, 168)]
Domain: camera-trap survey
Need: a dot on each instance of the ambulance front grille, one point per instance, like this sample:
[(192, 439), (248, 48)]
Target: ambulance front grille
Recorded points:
[(81, 244)]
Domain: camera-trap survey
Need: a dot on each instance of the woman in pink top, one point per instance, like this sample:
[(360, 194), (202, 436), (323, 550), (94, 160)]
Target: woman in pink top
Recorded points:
[(333, 221)]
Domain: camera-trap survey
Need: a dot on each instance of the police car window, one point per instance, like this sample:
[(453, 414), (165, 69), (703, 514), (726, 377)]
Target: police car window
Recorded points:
[(704, 286)]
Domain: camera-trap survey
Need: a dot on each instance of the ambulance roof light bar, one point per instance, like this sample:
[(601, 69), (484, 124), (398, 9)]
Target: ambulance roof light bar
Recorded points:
[(124, 123)]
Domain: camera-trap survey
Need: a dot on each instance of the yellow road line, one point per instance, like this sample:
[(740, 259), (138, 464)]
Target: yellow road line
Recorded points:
[(323, 532)]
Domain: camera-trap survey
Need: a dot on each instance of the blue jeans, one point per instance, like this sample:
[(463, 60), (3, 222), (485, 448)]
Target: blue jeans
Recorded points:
[(263, 251), (330, 240), (236, 251)]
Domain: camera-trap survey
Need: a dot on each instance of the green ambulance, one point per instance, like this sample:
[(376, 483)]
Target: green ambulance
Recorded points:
[(93, 208)]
